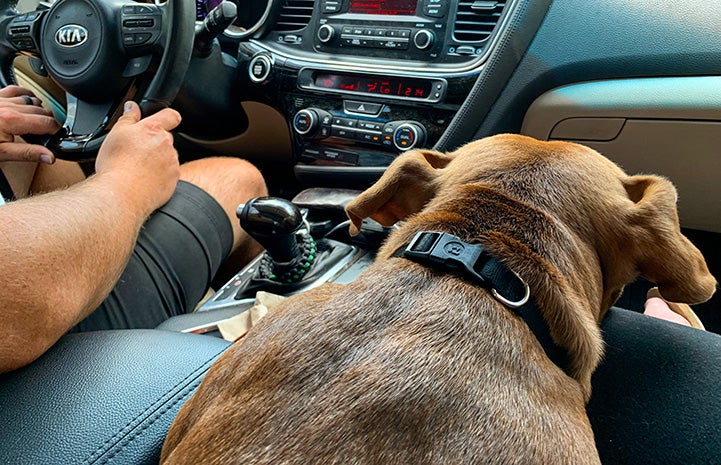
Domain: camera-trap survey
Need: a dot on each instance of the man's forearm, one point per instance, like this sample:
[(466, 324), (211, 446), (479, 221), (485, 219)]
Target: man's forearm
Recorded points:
[(61, 254)]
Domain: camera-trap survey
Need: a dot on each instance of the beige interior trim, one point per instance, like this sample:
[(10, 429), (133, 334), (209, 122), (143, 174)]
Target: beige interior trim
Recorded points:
[(666, 126)]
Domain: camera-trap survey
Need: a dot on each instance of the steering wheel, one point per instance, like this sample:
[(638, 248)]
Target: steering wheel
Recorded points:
[(101, 52)]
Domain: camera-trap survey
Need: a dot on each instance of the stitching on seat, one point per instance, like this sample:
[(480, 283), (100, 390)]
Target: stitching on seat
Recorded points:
[(147, 413), (119, 446)]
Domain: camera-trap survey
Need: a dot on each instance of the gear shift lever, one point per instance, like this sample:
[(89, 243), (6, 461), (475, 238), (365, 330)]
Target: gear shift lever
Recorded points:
[(292, 261), (277, 225), (272, 222)]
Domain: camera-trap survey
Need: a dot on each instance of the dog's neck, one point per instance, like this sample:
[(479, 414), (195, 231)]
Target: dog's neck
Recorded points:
[(447, 253), (566, 285)]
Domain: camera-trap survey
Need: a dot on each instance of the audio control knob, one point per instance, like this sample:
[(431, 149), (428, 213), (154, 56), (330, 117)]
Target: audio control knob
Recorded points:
[(423, 39), (326, 33), (408, 135)]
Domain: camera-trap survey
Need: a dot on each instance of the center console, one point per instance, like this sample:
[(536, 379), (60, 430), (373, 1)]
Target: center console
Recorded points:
[(361, 81)]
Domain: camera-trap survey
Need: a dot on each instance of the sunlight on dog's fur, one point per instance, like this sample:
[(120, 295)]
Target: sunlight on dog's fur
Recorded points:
[(411, 365)]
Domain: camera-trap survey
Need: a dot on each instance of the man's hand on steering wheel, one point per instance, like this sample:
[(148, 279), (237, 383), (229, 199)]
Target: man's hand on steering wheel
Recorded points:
[(21, 113), (140, 152), (101, 53)]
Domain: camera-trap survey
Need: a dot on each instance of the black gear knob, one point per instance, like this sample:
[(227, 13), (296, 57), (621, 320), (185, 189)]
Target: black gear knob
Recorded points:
[(273, 222)]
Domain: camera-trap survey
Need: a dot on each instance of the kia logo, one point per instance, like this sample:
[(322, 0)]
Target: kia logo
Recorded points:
[(71, 35)]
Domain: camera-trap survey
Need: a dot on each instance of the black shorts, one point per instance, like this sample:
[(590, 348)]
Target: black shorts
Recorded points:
[(178, 251)]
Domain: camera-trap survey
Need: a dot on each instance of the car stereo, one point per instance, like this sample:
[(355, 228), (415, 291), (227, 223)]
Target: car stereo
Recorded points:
[(407, 29)]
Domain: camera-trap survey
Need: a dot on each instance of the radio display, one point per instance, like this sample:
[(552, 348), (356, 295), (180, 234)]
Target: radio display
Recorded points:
[(383, 7), (396, 86)]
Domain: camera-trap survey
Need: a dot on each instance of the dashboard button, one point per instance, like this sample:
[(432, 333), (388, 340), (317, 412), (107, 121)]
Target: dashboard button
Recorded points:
[(345, 122), (364, 108), (259, 68), (326, 33), (342, 132), (331, 7), (423, 39), (373, 137), (369, 125)]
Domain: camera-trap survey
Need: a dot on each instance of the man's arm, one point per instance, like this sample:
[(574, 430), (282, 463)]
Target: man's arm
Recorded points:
[(61, 253)]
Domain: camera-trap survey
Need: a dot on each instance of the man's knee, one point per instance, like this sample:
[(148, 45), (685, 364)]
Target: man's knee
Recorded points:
[(227, 179)]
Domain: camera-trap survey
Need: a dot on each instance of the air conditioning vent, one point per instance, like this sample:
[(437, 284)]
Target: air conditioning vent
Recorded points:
[(476, 19), (294, 16)]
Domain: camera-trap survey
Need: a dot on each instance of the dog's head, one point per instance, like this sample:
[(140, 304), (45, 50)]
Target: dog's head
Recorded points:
[(630, 221)]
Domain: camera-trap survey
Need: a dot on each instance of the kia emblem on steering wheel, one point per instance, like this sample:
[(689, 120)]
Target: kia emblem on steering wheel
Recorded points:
[(71, 35)]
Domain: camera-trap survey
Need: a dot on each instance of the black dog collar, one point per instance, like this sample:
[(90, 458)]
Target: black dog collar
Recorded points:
[(446, 252)]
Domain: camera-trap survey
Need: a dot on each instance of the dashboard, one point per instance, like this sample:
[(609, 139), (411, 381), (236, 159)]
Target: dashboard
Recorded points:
[(360, 81)]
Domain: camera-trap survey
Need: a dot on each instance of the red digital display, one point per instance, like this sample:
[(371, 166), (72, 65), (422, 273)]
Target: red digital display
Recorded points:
[(396, 86), (383, 7)]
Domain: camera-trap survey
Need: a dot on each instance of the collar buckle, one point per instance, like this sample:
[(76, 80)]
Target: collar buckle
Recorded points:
[(450, 252)]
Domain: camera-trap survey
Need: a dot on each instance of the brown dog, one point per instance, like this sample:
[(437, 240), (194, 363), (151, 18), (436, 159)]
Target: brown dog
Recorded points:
[(414, 364)]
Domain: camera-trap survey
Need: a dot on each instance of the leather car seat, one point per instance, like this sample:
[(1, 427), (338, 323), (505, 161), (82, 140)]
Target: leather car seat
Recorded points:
[(102, 397)]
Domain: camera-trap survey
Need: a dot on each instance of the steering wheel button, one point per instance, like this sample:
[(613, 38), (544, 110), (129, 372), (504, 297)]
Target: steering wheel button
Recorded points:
[(129, 39), (144, 9), (137, 66), (142, 37)]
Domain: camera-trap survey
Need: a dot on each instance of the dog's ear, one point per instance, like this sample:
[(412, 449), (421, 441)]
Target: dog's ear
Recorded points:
[(664, 255), (405, 187)]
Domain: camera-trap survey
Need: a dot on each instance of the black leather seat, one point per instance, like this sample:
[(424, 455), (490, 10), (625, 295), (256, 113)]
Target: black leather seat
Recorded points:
[(102, 397)]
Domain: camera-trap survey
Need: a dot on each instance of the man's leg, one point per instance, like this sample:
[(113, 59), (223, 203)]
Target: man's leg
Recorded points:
[(231, 181), (182, 246), (59, 175)]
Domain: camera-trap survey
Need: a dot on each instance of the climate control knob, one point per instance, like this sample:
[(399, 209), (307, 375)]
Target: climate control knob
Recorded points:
[(311, 122), (409, 135), (423, 39), (326, 33), (305, 122)]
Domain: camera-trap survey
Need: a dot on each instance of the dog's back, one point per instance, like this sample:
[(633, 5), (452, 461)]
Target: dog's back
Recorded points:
[(399, 367)]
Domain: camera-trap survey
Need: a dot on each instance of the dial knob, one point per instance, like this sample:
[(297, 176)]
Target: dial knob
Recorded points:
[(409, 135), (312, 122), (326, 33), (305, 122), (423, 39)]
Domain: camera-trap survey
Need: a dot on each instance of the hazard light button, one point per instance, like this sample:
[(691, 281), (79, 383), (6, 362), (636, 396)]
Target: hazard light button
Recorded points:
[(362, 108)]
